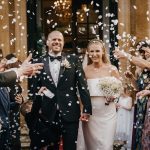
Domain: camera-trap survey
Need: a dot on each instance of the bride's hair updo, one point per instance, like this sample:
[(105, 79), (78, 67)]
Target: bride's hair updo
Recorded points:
[(105, 58)]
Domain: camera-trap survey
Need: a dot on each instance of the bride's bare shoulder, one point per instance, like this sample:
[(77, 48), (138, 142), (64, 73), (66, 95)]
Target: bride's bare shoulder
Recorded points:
[(111, 67), (87, 68)]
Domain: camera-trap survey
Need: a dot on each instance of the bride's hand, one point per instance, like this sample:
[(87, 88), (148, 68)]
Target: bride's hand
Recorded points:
[(118, 106), (110, 99), (84, 117)]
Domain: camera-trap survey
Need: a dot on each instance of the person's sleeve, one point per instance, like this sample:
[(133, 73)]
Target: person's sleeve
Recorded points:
[(83, 88), (31, 117), (7, 78)]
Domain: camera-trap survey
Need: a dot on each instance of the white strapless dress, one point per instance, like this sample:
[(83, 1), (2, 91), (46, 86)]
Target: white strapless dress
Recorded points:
[(98, 133)]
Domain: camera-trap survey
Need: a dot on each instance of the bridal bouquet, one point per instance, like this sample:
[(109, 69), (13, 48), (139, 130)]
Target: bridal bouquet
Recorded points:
[(110, 87)]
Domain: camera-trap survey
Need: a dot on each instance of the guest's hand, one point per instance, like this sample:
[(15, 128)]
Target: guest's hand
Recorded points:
[(19, 99), (26, 107), (85, 117), (119, 54), (3, 64), (143, 93), (129, 74), (29, 69)]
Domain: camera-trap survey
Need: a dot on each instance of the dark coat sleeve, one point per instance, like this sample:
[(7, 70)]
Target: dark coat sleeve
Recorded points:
[(33, 116), (7, 78), (83, 88)]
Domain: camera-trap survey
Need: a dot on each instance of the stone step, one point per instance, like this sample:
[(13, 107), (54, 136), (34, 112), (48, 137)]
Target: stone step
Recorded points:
[(25, 140)]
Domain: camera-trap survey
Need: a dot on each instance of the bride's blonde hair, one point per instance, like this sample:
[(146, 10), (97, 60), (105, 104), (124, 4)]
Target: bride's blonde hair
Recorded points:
[(105, 58)]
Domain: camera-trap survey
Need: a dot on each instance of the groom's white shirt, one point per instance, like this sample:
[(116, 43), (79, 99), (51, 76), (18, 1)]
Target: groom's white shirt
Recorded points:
[(54, 67)]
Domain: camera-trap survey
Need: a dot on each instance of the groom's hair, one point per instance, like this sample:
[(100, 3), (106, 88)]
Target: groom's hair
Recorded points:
[(53, 32)]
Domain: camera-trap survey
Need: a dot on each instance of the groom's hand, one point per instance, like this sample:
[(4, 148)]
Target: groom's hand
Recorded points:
[(85, 117)]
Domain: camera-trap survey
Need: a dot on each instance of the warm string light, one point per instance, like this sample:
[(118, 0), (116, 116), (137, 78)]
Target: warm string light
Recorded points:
[(84, 11), (62, 8)]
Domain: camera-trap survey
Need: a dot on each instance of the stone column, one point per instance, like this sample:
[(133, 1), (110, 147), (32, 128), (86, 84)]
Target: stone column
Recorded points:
[(4, 27), (21, 28), (142, 16), (13, 34), (124, 23), (21, 52)]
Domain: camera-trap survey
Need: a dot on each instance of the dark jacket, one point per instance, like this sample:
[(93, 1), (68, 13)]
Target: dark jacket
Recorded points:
[(7, 78), (4, 107)]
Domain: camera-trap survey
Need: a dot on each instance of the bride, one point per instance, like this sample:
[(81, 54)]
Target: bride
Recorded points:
[(99, 131)]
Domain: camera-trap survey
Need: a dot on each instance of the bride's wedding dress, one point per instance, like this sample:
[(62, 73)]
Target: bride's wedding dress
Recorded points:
[(99, 131)]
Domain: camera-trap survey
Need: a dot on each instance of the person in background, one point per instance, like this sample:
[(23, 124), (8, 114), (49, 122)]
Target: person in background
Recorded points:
[(16, 100), (5, 106), (146, 126), (140, 82), (123, 133), (8, 79)]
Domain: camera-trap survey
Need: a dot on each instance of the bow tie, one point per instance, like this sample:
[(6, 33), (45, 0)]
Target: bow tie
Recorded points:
[(52, 58)]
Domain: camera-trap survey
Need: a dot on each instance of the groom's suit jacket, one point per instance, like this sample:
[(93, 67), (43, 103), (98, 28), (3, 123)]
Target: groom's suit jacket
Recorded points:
[(6, 79), (65, 93)]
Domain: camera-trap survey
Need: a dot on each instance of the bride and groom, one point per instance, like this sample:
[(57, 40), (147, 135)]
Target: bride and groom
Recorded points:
[(55, 111), (58, 112)]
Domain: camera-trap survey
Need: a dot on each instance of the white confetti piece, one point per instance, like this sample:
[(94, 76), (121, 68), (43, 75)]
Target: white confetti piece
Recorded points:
[(4, 27), (134, 7), (147, 18), (147, 12)]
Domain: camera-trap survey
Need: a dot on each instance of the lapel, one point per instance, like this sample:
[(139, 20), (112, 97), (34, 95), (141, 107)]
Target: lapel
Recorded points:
[(62, 68), (47, 69)]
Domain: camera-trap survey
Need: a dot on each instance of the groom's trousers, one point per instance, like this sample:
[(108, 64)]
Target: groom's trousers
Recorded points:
[(50, 134), (68, 131)]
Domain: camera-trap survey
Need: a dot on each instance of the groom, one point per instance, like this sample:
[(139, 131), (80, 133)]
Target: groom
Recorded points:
[(56, 108)]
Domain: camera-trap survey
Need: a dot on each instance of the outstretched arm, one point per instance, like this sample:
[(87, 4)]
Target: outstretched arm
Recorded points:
[(27, 69), (143, 93), (142, 63)]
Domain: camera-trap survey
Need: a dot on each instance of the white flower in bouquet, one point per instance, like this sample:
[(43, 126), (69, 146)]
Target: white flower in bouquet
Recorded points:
[(110, 87)]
